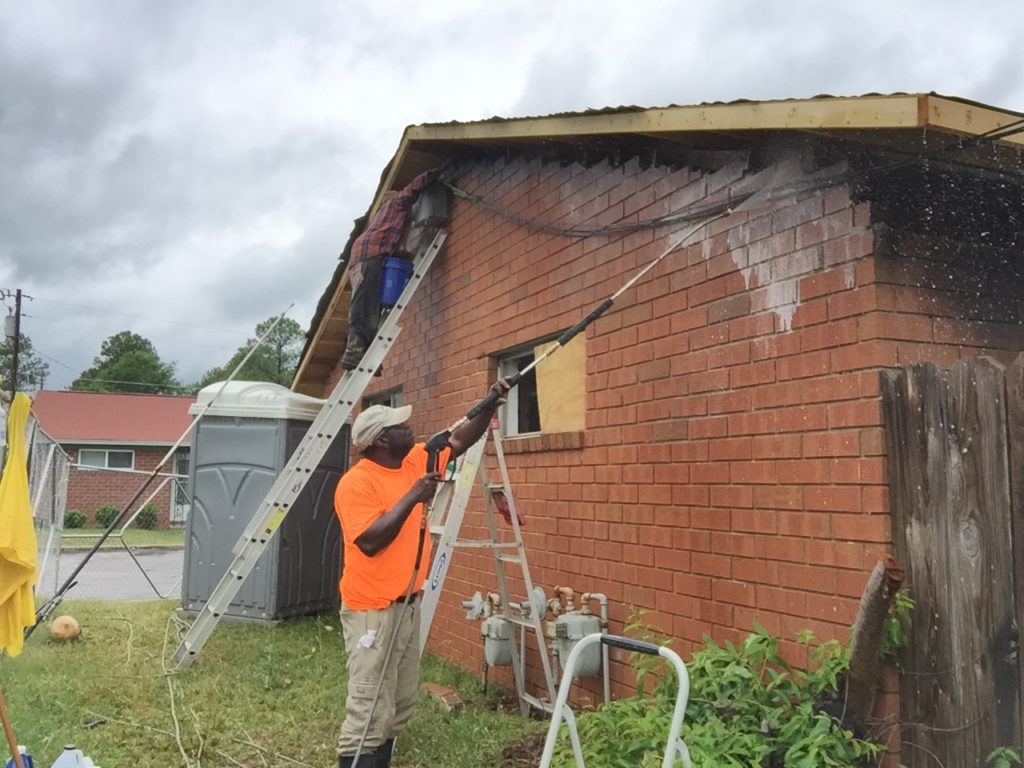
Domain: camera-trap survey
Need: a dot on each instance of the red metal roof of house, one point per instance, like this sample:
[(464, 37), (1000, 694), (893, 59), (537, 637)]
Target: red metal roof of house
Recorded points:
[(112, 417)]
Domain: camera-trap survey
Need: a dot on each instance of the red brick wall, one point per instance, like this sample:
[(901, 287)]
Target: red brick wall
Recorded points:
[(90, 489), (732, 469)]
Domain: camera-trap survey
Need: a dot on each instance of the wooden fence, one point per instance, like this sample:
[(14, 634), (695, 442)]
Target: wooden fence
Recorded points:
[(955, 443)]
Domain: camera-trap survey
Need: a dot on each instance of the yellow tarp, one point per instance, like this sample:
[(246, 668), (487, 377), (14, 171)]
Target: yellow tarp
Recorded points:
[(17, 535)]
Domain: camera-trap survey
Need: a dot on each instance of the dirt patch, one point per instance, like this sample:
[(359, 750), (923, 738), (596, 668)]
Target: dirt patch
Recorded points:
[(525, 754)]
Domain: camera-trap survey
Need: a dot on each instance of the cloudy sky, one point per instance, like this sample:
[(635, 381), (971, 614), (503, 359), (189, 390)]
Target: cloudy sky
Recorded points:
[(187, 169)]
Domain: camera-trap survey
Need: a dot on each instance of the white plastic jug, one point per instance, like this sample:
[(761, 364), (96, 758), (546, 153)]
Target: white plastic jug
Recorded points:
[(70, 758)]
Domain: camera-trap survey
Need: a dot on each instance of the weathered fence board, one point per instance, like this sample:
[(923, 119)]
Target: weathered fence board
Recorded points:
[(946, 439), (1015, 434)]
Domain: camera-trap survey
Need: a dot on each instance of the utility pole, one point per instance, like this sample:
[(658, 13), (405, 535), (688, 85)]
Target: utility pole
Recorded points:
[(16, 336), (17, 343)]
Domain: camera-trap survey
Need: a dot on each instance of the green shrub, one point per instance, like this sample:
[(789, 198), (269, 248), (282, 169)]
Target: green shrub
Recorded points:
[(747, 707), (1003, 757), (147, 517), (106, 514), (73, 519)]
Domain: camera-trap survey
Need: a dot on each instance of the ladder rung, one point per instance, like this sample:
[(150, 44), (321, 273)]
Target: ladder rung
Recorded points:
[(484, 544), (510, 558)]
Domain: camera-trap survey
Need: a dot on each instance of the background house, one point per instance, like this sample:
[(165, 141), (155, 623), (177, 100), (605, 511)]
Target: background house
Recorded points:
[(115, 441), (724, 460)]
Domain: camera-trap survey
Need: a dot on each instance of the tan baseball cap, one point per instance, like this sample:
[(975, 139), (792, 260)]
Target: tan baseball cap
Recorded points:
[(374, 420)]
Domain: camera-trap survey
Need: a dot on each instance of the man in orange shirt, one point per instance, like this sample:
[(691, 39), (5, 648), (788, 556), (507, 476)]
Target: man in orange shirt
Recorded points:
[(379, 503)]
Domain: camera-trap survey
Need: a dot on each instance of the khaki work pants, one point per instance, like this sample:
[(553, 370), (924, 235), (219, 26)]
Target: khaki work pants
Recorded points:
[(367, 634)]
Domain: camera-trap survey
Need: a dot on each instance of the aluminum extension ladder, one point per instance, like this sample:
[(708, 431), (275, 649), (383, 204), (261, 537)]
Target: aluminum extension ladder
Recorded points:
[(303, 462), (446, 517)]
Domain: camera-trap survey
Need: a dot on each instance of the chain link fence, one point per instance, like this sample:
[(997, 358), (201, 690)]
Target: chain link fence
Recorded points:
[(142, 555), (48, 468), (121, 569)]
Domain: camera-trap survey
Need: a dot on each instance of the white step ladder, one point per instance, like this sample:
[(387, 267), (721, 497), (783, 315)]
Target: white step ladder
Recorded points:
[(446, 518), (303, 462)]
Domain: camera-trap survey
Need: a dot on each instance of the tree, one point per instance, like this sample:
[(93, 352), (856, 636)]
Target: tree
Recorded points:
[(128, 362), (32, 371), (274, 360)]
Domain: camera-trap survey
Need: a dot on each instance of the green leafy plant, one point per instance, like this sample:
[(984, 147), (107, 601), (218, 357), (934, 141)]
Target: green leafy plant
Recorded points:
[(147, 517), (644, 665), (747, 707), (1003, 757), (896, 631), (73, 518), (106, 514)]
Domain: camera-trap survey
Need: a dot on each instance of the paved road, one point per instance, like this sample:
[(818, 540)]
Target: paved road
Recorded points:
[(112, 574)]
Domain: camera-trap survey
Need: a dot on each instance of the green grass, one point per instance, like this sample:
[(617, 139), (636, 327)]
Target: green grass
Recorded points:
[(85, 538), (256, 696)]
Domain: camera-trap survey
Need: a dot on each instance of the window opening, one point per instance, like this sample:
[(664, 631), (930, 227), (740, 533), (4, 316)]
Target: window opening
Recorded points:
[(389, 397), (521, 415)]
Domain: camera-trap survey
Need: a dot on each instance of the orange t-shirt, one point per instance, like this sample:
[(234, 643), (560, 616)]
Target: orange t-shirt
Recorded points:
[(364, 493)]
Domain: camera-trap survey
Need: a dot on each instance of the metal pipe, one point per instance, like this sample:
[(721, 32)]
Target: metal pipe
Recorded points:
[(602, 600)]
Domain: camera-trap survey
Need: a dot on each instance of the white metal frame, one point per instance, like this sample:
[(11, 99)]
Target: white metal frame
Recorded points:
[(675, 746)]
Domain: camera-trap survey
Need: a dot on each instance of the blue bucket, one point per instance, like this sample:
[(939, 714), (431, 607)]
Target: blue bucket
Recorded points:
[(396, 274)]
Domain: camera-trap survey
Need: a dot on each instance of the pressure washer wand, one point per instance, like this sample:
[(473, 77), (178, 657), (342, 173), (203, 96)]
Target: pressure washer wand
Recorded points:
[(439, 442)]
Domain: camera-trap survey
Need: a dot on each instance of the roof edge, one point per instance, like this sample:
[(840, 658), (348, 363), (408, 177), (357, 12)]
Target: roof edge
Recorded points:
[(821, 113)]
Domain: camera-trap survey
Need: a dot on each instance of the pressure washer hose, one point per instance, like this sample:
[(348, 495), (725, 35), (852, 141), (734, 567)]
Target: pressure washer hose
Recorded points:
[(440, 441)]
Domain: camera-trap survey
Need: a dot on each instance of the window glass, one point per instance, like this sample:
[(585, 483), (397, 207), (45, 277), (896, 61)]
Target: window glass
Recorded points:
[(92, 458), (102, 459), (120, 459)]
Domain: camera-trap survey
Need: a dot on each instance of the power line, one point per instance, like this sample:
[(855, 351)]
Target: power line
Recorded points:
[(136, 384), (104, 310), (54, 360), (111, 381), (111, 330)]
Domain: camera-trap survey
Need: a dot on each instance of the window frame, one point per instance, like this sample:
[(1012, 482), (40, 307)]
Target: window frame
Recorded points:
[(393, 398), (508, 365), (566, 382), (82, 464)]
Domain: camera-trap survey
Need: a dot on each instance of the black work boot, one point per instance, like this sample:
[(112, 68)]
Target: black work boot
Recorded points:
[(368, 758)]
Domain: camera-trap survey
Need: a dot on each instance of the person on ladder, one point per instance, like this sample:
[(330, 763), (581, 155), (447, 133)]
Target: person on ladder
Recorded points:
[(379, 503), (382, 238)]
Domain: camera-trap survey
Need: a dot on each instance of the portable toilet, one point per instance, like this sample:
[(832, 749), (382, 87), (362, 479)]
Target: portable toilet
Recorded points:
[(244, 439)]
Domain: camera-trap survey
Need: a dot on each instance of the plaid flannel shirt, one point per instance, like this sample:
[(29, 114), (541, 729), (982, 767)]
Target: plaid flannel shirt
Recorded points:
[(384, 234)]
